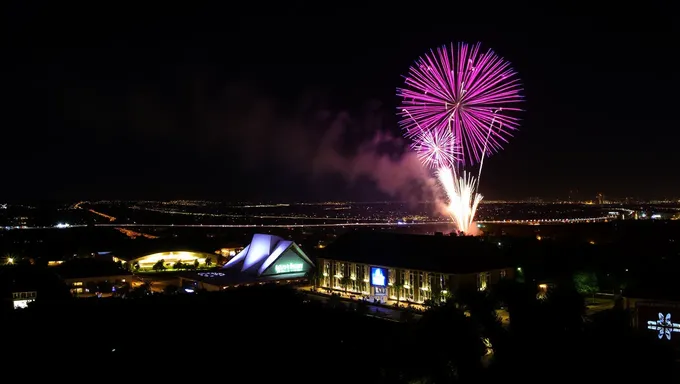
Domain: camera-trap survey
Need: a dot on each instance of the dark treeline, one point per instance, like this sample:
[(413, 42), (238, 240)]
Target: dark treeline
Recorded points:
[(640, 263), (275, 334)]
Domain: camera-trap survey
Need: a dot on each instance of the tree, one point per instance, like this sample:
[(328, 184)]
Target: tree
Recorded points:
[(345, 281), (398, 287), (586, 284), (313, 277), (481, 306), (179, 265), (221, 260), (196, 265), (454, 344), (208, 261), (159, 266)]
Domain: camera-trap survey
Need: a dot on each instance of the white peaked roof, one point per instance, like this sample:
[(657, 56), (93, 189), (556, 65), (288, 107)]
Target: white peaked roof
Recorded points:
[(262, 252)]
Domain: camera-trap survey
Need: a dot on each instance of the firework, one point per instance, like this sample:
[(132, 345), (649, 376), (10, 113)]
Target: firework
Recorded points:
[(463, 197), (436, 149), (465, 92)]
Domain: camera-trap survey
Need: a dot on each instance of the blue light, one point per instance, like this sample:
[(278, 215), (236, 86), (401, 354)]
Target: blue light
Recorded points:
[(378, 277)]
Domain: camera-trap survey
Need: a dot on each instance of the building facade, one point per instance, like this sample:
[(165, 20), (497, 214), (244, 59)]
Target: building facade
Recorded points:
[(411, 268), (86, 286), (21, 299), (408, 285), (267, 258)]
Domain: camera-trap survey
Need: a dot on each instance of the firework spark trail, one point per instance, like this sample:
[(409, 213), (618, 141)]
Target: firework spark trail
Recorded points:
[(463, 89), (433, 149), (451, 102), (436, 149), (463, 197)]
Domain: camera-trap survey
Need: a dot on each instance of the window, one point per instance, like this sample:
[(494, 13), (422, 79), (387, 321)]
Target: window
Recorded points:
[(339, 274), (503, 273), (482, 280), (424, 283), (325, 282), (411, 283)]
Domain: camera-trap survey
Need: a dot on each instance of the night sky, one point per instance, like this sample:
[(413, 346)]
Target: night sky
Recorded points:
[(256, 102)]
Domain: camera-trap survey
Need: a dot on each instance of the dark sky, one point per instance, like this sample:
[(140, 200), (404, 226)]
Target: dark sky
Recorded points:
[(283, 102)]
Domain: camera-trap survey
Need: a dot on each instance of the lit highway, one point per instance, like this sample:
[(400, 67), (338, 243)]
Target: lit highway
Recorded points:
[(366, 222), (354, 224), (172, 212)]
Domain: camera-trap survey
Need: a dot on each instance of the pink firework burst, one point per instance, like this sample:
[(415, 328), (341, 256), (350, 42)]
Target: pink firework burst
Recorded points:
[(436, 149), (470, 93)]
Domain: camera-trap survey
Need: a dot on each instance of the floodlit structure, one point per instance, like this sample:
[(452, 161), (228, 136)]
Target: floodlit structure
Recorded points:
[(170, 258), (410, 268), (21, 299), (269, 255), (266, 258)]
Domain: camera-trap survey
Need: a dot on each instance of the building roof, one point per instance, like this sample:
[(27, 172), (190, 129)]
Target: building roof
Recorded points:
[(26, 278), (266, 258), (262, 252), (445, 254), (135, 249)]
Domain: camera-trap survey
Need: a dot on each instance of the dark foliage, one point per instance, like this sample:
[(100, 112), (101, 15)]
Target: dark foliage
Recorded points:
[(274, 334)]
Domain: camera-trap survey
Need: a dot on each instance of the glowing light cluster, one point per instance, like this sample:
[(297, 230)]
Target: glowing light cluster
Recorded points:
[(462, 90), (436, 149), (457, 107), (664, 326), (264, 251), (211, 274), (463, 197)]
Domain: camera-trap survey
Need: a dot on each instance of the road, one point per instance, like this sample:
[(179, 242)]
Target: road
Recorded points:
[(598, 304), (324, 225)]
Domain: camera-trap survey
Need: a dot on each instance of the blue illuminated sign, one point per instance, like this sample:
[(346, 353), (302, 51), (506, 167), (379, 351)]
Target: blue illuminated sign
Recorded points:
[(378, 277)]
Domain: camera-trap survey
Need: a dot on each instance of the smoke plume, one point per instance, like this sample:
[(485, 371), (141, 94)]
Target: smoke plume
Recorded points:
[(311, 138), (398, 175)]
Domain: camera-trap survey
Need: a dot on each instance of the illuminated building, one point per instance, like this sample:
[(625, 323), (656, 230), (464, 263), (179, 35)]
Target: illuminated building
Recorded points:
[(90, 277), (169, 259), (267, 258), (655, 310), (21, 299), (230, 250), (415, 268)]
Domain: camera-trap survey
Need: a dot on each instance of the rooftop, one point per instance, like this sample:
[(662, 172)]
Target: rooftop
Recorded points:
[(135, 249), (446, 254)]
